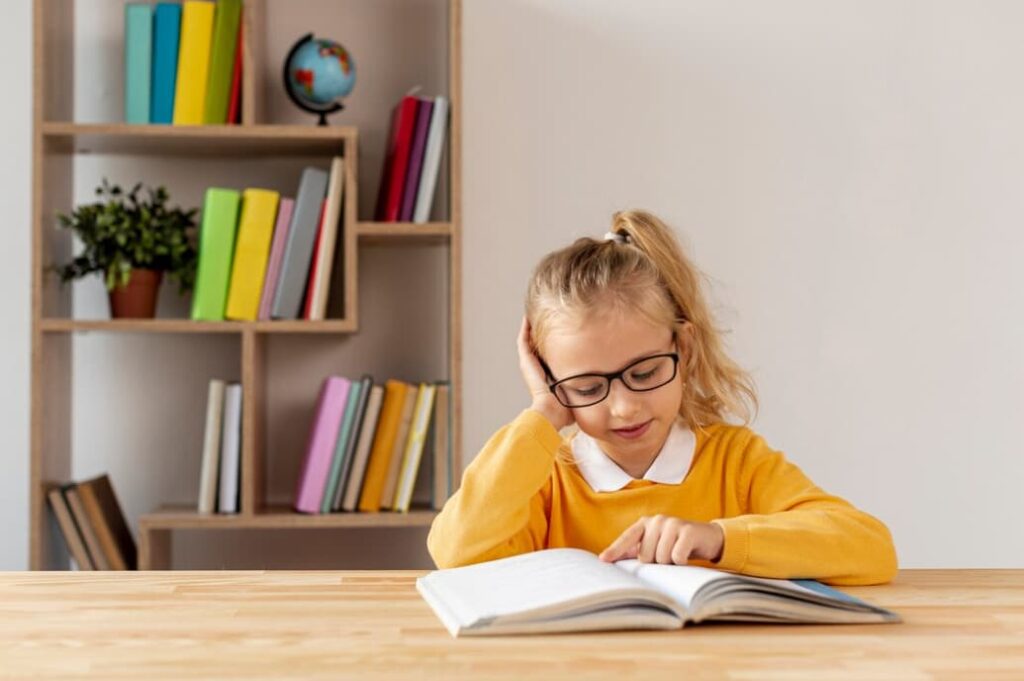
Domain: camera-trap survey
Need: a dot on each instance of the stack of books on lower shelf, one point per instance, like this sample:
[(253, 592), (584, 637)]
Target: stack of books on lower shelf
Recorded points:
[(93, 525), (220, 468), (369, 445), (264, 256)]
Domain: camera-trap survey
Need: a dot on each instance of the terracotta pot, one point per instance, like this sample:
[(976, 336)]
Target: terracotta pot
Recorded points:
[(137, 298)]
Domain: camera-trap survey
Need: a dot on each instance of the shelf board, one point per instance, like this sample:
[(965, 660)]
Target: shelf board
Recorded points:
[(195, 140), (278, 517), (189, 326), (403, 233)]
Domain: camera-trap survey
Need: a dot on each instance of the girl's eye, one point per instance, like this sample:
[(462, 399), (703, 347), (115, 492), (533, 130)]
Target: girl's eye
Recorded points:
[(587, 392), (644, 376)]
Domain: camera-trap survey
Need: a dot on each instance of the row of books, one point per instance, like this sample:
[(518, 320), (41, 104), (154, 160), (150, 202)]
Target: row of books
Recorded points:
[(183, 62), (265, 257), (93, 524), (412, 159), (367, 447), (220, 469)]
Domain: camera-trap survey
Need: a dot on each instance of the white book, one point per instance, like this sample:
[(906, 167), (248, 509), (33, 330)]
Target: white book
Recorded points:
[(366, 435), (431, 160), (561, 590), (414, 447), (230, 449), (328, 239), (211, 447)]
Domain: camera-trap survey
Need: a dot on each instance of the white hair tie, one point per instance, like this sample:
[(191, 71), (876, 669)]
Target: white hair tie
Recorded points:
[(617, 237)]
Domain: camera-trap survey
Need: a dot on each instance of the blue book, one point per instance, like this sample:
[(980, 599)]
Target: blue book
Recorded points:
[(138, 47), (166, 29)]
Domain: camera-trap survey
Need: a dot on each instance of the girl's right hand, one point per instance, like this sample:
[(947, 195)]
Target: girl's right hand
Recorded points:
[(537, 383)]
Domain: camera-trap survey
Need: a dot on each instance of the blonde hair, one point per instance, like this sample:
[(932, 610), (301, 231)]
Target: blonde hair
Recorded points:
[(641, 266)]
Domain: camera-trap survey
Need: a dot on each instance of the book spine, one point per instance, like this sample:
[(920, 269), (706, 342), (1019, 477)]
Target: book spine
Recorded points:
[(367, 432), (298, 249), (322, 438), (255, 232), (210, 463), (284, 218), (413, 175), (365, 386), (403, 147), (338, 459), (193, 61), (328, 250), (222, 61), (231, 449), (216, 253), (166, 30), (383, 445), (431, 160), (234, 116), (138, 51)]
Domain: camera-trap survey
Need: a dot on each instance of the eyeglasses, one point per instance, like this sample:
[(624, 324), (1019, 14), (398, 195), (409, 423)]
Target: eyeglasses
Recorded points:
[(643, 375)]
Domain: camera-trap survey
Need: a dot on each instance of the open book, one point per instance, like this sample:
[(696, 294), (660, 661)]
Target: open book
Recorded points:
[(559, 590)]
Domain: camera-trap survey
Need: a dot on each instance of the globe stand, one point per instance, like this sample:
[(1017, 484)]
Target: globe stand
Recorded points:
[(321, 111)]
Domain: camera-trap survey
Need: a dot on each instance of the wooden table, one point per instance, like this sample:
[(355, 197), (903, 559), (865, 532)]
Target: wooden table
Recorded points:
[(373, 625)]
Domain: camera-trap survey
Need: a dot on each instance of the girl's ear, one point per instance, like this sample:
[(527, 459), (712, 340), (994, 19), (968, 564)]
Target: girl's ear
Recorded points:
[(684, 340)]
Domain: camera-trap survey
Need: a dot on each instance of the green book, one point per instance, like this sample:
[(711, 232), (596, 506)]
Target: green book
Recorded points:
[(138, 45), (338, 459), (222, 60), (216, 251)]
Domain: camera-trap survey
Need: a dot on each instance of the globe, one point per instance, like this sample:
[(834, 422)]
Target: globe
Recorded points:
[(317, 73)]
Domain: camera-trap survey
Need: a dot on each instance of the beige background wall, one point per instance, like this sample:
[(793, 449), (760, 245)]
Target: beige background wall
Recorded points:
[(847, 174)]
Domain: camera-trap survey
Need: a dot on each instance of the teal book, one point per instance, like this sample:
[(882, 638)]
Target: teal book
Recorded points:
[(138, 49), (222, 61), (338, 460), (166, 29), (216, 253)]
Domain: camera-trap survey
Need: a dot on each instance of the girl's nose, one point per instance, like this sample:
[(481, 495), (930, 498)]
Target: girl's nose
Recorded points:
[(623, 403)]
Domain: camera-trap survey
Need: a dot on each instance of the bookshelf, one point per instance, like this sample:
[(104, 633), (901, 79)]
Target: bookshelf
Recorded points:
[(60, 143)]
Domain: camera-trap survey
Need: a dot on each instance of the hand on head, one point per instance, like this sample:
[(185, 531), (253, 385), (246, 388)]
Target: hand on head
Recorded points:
[(537, 383)]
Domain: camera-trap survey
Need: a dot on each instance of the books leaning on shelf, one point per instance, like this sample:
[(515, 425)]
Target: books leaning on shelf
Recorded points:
[(183, 62), (412, 159), (562, 590), (93, 525), (368, 446), (264, 256), (219, 469)]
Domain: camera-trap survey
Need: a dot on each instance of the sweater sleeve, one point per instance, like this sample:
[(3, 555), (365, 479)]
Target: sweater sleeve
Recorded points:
[(793, 529), (501, 507)]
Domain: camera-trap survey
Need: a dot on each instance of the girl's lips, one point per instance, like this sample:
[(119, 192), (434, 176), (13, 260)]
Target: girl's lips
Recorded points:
[(632, 433)]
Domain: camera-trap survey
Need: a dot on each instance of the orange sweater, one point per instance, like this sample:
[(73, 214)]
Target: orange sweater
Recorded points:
[(517, 497)]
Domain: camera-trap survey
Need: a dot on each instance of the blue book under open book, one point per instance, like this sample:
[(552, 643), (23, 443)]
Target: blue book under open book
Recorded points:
[(563, 590)]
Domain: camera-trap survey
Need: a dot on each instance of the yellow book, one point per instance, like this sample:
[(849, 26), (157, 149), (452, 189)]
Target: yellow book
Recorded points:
[(413, 455), (255, 231), (383, 445), (193, 62)]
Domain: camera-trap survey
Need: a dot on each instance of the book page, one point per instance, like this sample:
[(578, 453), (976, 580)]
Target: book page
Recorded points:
[(679, 582), (541, 583)]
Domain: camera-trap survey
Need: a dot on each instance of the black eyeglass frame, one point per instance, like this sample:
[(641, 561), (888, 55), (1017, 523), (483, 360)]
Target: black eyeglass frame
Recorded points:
[(609, 377)]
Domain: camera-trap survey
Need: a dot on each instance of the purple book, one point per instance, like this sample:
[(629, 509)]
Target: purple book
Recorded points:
[(284, 220), (323, 436), (419, 143)]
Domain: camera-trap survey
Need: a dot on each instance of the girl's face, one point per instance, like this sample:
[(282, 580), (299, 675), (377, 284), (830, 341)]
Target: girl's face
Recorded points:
[(630, 427)]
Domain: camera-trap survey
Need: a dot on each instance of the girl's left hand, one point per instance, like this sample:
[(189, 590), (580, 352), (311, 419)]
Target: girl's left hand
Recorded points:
[(664, 539)]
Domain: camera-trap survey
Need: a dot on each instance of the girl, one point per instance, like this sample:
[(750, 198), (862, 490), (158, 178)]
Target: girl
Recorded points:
[(619, 341)]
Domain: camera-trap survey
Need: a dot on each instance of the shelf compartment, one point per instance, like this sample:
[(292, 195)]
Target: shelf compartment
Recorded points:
[(197, 140)]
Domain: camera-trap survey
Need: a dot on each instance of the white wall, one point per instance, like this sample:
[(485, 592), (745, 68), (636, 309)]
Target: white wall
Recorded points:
[(850, 176), (847, 173), (15, 282)]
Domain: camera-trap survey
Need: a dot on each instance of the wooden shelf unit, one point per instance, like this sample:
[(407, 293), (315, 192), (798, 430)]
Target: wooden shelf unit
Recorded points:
[(58, 140)]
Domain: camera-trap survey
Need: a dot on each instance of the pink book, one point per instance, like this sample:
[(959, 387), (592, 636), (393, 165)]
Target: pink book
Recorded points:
[(323, 436), (284, 221)]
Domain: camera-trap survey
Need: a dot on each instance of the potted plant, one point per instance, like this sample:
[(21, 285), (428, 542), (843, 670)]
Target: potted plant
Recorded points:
[(132, 241)]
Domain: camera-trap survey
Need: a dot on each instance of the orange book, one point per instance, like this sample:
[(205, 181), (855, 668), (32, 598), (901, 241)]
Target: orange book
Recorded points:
[(383, 445)]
